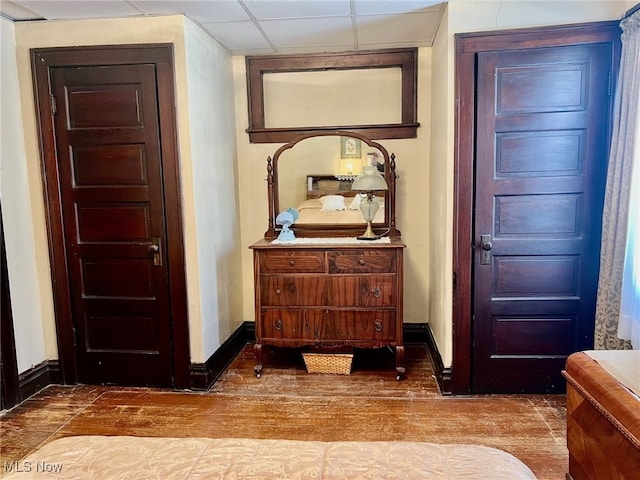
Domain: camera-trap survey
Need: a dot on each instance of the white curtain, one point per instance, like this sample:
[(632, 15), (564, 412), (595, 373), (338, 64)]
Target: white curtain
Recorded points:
[(618, 302), (629, 323)]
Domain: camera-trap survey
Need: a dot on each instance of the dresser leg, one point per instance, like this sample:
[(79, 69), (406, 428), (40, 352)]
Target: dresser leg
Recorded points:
[(400, 362), (257, 350)]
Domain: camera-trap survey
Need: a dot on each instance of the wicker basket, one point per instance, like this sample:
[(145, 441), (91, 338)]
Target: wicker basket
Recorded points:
[(339, 363)]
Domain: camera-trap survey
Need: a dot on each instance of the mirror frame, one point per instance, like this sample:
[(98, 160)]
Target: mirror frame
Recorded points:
[(387, 228), (404, 58)]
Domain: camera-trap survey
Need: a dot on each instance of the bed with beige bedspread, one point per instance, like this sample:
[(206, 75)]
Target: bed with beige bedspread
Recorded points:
[(121, 457)]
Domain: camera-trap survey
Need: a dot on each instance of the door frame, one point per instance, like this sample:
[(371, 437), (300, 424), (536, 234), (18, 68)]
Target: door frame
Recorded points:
[(160, 55), (467, 46), (9, 379)]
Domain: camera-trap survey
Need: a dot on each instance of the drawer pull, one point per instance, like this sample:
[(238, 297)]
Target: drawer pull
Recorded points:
[(278, 291), (377, 325), (377, 292), (361, 261), (279, 324), (292, 262)]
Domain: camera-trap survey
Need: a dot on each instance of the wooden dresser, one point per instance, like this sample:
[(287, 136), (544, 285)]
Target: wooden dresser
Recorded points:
[(331, 297)]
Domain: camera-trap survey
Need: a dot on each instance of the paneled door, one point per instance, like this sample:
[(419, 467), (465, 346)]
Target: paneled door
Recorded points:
[(106, 116), (110, 176), (541, 153)]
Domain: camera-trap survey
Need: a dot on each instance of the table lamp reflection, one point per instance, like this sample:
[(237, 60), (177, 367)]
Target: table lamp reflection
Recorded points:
[(368, 183)]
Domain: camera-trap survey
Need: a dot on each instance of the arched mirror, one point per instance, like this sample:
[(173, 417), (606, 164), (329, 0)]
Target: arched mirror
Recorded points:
[(315, 173)]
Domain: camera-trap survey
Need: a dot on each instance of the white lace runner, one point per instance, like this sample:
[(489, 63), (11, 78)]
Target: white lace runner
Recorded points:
[(330, 240)]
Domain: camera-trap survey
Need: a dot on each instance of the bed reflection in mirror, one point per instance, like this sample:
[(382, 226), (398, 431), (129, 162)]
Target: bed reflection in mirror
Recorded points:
[(315, 177)]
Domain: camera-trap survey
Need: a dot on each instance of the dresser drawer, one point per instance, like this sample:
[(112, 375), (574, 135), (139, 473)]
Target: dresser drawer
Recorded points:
[(361, 325), (292, 261), (283, 290), (362, 261), (363, 290), (325, 325)]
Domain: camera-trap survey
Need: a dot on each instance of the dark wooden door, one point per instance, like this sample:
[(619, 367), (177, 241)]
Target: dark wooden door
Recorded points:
[(110, 179), (541, 152)]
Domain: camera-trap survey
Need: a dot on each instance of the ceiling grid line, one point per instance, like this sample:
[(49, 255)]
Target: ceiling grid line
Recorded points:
[(259, 27)]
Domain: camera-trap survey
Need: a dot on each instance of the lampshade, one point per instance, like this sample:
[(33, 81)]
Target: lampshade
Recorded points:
[(369, 181)]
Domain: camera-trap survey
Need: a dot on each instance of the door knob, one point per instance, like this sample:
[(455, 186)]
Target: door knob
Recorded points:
[(486, 245), (154, 250)]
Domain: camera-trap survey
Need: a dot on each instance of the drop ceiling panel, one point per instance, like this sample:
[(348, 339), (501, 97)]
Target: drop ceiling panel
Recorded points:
[(368, 7), (416, 28), (238, 37), (299, 50), (200, 11), (254, 27), (17, 11), (278, 9), (56, 10), (309, 32)]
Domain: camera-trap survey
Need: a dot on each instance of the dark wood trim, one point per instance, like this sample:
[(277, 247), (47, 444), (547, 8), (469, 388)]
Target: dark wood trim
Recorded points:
[(631, 11), (204, 375), (38, 377), (374, 132), (10, 385), (415, 333), (467, 46), (405, 58), (443, 375), (42, 61), (173, 220)]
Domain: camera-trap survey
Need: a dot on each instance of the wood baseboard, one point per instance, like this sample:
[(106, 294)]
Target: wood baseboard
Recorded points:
[(38, 377), (204, 375), (443, 375)]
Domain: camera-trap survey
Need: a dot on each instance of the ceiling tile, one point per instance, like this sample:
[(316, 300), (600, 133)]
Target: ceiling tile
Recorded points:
[(416, 28), (369, 7), (236, 36), (323, 48), (300, 26), (16, 11), (200, 11), (278, 9), (55, 9), (306, 32)]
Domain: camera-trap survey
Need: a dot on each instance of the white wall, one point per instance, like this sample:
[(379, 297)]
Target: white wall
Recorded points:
[(28, 305), (440, 194), (213, 180)]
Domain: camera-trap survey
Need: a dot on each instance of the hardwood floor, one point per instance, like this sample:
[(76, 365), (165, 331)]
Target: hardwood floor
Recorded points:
[(288, 403)]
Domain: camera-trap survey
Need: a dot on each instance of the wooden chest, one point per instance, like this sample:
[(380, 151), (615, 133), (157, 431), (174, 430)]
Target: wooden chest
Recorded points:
[(329, 296), (603, 415)]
